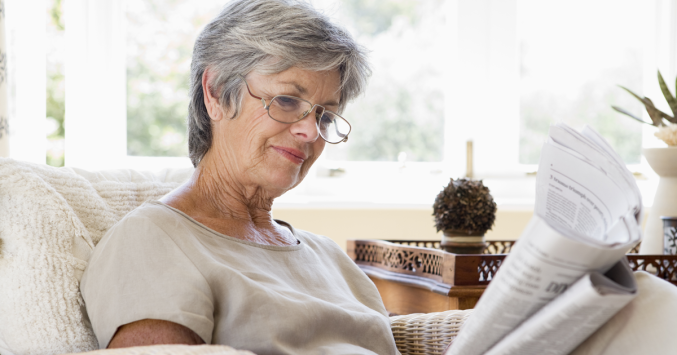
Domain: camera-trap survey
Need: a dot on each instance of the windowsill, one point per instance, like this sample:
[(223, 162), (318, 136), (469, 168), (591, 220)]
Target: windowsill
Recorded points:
[(401, 190), (416, 192), (387, 185)]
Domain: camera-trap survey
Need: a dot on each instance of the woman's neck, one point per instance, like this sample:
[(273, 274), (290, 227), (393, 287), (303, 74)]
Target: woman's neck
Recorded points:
[(215, 199), (217, 192)]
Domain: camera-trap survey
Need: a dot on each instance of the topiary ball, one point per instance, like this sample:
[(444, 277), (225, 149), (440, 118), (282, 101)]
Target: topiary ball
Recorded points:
[(464, 206)]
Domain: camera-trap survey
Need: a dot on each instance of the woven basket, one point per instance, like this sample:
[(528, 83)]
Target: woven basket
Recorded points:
[(427, 333)]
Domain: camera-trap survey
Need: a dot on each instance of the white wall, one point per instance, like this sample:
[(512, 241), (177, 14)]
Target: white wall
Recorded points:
[(343, 224)]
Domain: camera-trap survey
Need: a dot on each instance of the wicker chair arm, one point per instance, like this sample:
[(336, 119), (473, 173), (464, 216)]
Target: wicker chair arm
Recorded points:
[(415, 334), (427, 333)]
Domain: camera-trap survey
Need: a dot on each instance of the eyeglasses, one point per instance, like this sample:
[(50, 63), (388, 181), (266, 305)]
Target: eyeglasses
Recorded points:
[(289, 109)]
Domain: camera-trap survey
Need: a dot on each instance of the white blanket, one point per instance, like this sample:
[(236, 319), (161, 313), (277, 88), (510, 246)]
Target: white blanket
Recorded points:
[(50, 220), (645, 326)]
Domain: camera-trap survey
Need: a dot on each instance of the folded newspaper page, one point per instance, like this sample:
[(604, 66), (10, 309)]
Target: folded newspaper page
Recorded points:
[(561, 325), (563, 279)]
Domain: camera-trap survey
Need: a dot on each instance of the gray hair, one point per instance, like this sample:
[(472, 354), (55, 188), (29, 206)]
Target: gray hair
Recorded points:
[(267, 36)]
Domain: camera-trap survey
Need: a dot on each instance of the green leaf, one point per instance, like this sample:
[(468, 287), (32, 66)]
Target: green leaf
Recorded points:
[(668, 95), (632, 93), (630, 114), (669, 118), (655, 114)]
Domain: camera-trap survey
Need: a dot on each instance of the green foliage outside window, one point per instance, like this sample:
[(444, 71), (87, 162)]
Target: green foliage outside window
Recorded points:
[(587, 108), (55, 84), (570, 73), (160, 37), (371, 17), (402, 111)]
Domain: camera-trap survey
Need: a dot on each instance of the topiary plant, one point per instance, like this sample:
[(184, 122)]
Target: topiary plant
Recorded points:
[(465, 207)]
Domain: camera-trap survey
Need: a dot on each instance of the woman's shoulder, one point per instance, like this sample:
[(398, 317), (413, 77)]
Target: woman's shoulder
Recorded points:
[(148, 215), (147, 223)]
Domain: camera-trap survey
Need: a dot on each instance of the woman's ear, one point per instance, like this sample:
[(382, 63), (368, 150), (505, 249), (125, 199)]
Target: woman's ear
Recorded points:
[(211, 103)]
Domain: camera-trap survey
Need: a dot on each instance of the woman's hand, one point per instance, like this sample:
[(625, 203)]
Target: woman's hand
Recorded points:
[(153, 332)]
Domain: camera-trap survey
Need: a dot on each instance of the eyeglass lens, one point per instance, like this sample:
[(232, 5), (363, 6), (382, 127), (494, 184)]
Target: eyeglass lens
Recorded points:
[(289, 109)]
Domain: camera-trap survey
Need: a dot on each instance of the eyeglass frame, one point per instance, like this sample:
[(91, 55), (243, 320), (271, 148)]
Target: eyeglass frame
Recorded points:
[(267, 107)]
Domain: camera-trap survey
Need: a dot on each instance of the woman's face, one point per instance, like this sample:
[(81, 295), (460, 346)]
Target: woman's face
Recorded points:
[(260, 152)]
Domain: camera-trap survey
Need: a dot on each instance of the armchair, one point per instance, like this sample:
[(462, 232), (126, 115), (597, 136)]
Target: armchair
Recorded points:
[(50, 221)]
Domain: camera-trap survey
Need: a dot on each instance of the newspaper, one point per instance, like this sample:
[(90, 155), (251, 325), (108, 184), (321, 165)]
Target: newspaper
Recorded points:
[(567, 275)]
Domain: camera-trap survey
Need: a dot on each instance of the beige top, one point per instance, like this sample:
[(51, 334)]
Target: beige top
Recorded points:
[(309, 298)]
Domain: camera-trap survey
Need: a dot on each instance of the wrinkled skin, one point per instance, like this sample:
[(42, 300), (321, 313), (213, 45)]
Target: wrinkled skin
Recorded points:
[(252, 159)]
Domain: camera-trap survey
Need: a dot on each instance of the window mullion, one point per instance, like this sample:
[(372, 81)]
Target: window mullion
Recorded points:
[(27, 63), (96, 122)]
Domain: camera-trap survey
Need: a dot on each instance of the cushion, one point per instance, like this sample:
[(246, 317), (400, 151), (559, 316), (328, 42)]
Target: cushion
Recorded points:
[(645, 326), (50, 221)]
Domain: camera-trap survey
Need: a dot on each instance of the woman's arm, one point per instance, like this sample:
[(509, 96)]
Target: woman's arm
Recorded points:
[(152, 332)]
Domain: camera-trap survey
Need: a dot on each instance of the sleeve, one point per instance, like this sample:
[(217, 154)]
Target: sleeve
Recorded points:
[(138, 272)]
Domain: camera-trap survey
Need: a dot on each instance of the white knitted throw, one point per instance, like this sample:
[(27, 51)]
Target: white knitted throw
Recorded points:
[(50, 220)]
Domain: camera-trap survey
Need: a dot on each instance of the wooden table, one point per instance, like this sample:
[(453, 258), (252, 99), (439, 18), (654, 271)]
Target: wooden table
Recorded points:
[(400, 296), (417, 277)]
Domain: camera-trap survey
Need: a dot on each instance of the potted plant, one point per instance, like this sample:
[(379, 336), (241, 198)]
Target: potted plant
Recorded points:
[(664, 162), (464, 211)]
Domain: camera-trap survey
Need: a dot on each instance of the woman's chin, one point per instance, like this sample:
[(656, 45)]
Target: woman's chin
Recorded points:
[(279, 178), (281, 184)]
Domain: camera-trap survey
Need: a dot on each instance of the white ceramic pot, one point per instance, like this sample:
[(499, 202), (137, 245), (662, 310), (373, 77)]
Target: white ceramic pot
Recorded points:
[(664, 162)]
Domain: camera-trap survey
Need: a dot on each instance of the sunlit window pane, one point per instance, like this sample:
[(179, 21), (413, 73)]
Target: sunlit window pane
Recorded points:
[(160, 38), (573, 54), (55, 83), (402, 110)]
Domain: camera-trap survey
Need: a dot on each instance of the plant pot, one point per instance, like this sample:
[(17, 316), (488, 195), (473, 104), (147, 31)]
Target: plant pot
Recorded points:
[(664, 162), (463, 242), (669, 235)]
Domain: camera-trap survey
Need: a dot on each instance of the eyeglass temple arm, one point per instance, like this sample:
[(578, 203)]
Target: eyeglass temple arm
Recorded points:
[(250, 92)]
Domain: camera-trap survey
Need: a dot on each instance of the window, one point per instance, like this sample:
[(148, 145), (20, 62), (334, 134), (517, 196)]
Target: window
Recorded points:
[(401, 115), (569, 70), (55, 105), (495, 72), (160, 37)]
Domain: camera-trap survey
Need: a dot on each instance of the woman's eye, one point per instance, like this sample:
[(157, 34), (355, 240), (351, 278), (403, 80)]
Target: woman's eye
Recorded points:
[(326, 120), (287, 103)]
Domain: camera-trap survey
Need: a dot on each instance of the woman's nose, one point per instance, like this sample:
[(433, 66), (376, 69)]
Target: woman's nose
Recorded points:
[(306, 129)]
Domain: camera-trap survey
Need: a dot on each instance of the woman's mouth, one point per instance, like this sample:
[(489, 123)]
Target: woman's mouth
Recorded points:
[(295, 156)]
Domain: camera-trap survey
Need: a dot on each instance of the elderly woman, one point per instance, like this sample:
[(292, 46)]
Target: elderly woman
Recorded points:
[(208, 263)]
